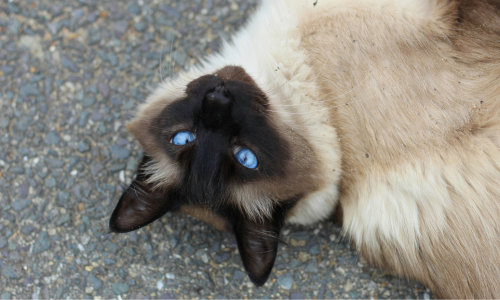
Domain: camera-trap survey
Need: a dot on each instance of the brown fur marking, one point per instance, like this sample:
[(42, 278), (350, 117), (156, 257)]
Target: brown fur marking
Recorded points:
[(430, 93)]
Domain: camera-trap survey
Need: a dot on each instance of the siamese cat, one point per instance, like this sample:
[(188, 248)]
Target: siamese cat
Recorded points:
[(387, 109)]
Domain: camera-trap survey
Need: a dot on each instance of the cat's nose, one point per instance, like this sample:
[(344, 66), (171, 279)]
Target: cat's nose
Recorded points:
[(216, 108), (219, 97)]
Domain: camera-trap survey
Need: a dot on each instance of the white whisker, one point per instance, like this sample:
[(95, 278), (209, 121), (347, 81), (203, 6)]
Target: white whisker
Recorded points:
[(170, 72), (161, 66)]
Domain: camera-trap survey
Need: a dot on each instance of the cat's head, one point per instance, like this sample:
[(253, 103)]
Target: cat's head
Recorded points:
[(218, 150)]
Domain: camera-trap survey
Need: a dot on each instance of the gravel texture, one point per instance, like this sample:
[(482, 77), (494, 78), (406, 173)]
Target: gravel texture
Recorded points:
[(71, 75)]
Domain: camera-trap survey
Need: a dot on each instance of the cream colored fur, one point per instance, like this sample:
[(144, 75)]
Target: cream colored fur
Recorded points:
[(403, 116)]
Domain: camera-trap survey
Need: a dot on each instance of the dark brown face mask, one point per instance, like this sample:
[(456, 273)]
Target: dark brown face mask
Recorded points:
[(218, 118)]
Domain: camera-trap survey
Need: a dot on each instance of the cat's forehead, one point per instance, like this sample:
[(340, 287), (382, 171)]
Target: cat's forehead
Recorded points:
[(174, 104), (189, 84)]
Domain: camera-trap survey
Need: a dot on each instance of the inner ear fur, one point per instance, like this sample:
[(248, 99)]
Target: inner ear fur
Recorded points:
[(140, 204)]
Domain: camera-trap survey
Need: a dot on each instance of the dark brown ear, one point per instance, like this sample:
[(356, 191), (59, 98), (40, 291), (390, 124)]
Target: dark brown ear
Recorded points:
[(140, 204), (258, 245), (137, 207)]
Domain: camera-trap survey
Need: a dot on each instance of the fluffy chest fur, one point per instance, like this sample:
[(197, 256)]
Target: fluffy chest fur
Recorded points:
[(390, 109)]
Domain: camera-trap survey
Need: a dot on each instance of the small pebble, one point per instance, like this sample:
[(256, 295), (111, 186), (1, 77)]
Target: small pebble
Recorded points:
[(95, 281), (9, 272), (83, 118), (73, 161), (54, 162), (5, 296), (297, 295), (20, 204), (119, 151), (88, 101), (94, 37), (312, 266), (51, 138), (14, 26), (3, 242), (42, 243), (29, 90), (96, 167), (17, 170), (120, 28), (113, 60), (132, 164), (7, 69), (134, 8), (69, 64), (53, 153), (83, 146), (238, 275), (120, 288), (20, 127), (286, 281), (172, 12), (62, 197), (222, 257), (140, 26), (116, 168), (14, 8), (103, 89), (112, 247), (50, 182), (109, 261)]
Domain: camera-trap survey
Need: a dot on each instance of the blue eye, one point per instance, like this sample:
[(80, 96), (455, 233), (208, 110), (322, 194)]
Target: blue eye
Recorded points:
[(182, 138), (246, 157)]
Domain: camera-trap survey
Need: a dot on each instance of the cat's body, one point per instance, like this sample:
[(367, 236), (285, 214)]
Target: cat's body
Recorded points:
[(389, 108)]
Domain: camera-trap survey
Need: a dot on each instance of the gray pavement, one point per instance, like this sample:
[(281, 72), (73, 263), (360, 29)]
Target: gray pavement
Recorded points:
[(71, 75)]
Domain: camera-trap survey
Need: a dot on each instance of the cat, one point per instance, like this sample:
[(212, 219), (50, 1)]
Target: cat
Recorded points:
[(388, 110)]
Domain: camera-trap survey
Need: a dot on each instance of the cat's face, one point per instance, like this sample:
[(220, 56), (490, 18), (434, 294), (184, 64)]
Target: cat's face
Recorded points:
[(216, 150)]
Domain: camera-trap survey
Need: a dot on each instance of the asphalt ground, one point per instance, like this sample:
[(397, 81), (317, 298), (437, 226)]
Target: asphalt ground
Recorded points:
[(71, 74)]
